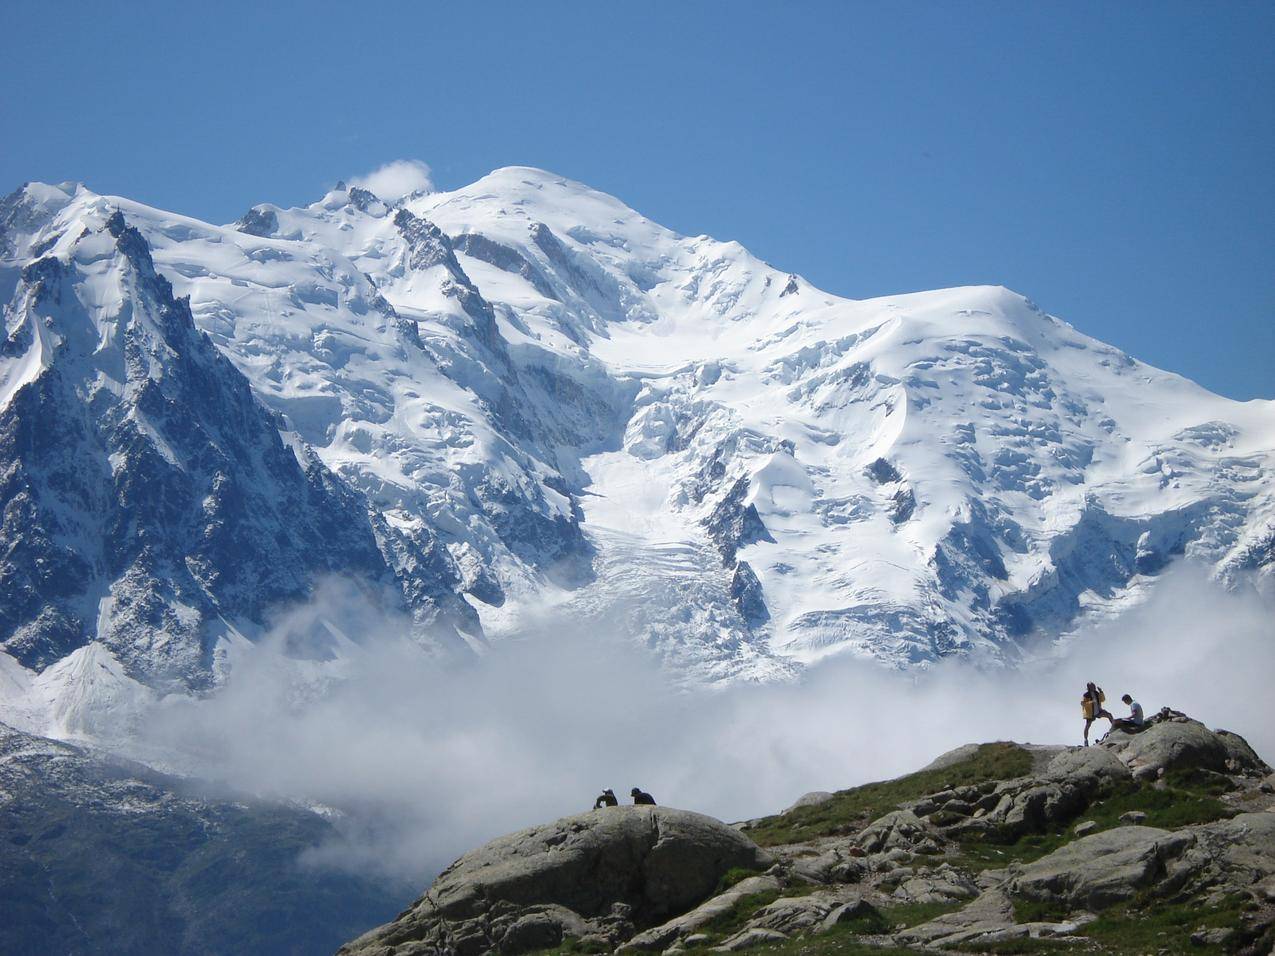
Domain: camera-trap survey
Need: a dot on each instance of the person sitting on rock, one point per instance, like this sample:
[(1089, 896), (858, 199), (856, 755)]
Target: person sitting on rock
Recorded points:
[(606, 799), (641, 798), (1091, 707), (1134, 722)]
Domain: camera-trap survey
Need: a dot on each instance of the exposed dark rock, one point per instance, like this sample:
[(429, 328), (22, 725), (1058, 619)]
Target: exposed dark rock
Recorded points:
[(733, 525), (746, 592), (259, 221), (505, 258), (902, 505), (882, 472)]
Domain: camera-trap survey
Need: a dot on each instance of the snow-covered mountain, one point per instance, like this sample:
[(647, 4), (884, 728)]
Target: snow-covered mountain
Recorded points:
[(522, 396)]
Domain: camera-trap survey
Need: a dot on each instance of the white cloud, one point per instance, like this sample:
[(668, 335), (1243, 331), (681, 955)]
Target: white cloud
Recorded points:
[(428, 762), (396, 179)]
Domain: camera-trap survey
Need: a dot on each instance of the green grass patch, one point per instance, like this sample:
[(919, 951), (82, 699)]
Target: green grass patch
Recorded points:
[(1146, 926), (1011, 947), (736, 874), (914, 914), (573, 947), (1131, 929), (851, 810), (1034, 911), (843, 941), (1200, 781), (1168, 808), (733, 920)]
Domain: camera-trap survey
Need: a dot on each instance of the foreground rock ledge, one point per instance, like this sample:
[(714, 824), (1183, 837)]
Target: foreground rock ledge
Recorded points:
[(600, 875)]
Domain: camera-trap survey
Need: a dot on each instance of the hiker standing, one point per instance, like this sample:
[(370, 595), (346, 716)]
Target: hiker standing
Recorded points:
[(1091, 707)]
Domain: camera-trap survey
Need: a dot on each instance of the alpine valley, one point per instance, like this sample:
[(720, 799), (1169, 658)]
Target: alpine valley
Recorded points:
[(522, 399)]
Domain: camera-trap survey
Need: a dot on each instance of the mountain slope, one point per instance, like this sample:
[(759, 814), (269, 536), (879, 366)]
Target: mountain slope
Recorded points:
[(535, 397), (906, 476), (149, 499), (99, 855)]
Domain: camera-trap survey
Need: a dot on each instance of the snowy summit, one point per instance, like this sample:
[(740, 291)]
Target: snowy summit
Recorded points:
[(523, 395)]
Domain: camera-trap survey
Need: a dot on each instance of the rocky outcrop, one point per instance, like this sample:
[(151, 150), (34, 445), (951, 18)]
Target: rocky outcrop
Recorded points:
[(1179, 743), (597, 876), (647, 879), (1097, 871), (680, 927)]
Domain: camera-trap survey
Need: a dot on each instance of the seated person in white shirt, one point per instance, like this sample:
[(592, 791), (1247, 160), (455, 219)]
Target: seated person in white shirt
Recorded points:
[(1134, 722)]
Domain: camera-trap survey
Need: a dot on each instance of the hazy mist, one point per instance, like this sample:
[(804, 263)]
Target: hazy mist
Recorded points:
[(425, 761)]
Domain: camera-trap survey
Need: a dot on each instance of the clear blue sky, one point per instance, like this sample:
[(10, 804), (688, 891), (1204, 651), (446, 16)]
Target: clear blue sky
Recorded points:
[(1113, 161)]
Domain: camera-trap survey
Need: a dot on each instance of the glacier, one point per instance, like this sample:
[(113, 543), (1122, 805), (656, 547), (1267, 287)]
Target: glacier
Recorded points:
[(522, 399)]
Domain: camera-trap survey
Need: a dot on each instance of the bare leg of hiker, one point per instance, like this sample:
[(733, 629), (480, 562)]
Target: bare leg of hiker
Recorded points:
[(1110, 720)]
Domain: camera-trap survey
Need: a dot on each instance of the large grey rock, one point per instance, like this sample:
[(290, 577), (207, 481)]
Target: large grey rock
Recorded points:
[(750, 938), (811, 799), (681, 927), (1096, 871), (1237, 853), (836, 862), (1181, 745), (1241, 758), (940, 885), (898, 830), (991, 913), (601, 873), (811, 913), (1091, 767), (989, 919), (1067, 782)]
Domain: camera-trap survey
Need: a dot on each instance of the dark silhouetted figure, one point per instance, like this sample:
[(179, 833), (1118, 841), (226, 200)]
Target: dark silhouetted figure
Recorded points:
[(641, 798), (606, 799)]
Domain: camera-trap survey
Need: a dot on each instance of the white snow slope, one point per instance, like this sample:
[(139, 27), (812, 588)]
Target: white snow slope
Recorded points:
[(665, 436)]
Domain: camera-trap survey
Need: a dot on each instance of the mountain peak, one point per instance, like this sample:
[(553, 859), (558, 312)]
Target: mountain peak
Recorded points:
[(526, 389)]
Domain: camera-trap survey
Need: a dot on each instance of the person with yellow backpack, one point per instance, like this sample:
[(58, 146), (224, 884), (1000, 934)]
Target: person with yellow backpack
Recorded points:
[(1091, 707)]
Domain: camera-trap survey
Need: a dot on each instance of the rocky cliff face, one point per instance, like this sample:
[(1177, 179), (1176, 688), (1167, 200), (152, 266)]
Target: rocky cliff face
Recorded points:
[(1171, 828), (149, 500)]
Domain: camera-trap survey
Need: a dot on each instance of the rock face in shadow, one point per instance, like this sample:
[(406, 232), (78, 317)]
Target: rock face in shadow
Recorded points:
[(599, 875), (104, 856)]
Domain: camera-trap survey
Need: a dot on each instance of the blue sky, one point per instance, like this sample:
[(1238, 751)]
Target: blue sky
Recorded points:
[(1113, 161)]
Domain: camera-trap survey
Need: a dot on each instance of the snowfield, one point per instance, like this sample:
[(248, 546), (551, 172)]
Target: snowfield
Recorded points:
[(523, 398)]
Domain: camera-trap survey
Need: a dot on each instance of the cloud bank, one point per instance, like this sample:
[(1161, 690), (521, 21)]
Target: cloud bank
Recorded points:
[(397, 179), (427, 762)]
